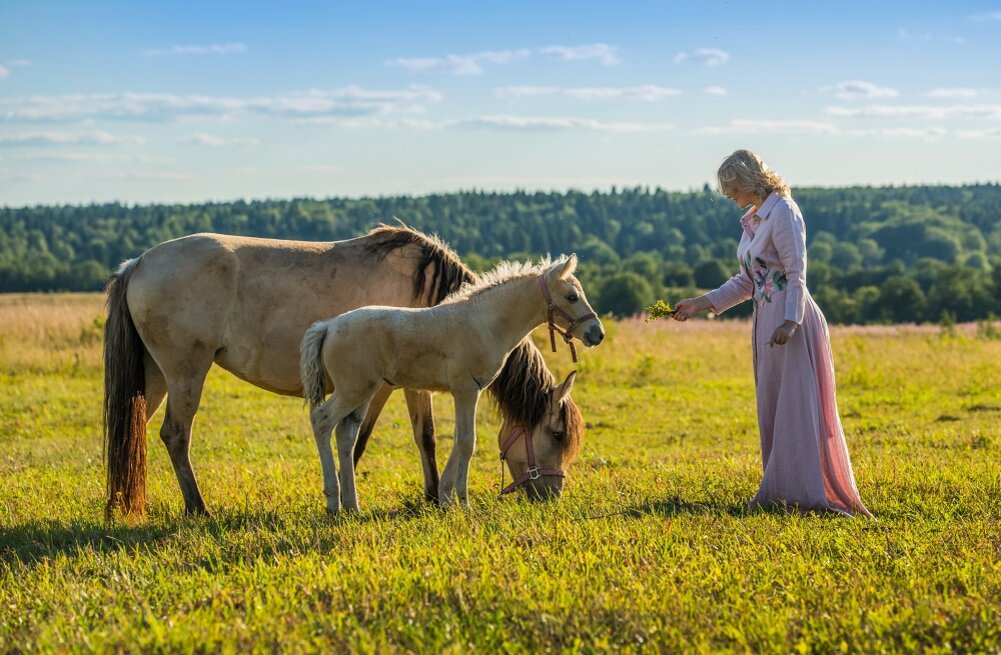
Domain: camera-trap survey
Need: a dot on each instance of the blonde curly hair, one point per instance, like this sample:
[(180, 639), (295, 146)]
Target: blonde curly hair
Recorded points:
[(746, 171)]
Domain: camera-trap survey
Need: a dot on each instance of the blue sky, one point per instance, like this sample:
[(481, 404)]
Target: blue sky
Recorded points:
[(185, 102)]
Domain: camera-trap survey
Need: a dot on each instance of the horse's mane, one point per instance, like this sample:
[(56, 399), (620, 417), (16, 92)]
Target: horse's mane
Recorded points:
[(522, 391), (448, 272), (524, 385), (499, 274)]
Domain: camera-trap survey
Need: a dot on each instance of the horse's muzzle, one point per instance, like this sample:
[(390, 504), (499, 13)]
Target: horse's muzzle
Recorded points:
[(594, 335), (544, 489)]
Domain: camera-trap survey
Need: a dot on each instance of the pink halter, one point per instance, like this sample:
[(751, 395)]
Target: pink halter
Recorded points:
[(533, 472), (551, 309)]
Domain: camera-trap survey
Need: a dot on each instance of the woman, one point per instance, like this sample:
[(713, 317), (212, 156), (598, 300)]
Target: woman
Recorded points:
[(805, 459)]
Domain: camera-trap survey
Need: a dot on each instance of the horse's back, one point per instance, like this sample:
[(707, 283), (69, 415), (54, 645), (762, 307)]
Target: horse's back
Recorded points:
[(408, 347), (246, 302)]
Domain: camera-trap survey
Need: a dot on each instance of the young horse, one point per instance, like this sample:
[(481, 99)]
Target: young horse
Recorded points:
[(244, 304), (458, 346)]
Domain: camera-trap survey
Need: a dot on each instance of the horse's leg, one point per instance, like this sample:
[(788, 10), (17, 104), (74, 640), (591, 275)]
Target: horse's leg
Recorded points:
[(332, 413), (323, 422), (422, 421), (156, 386), (374, 409), (456, 474), (347, 435), (183, 395)]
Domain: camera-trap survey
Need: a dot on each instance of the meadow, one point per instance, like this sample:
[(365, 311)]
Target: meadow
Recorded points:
[(651, 547)]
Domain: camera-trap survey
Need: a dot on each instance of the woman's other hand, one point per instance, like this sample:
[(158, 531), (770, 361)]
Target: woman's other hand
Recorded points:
[(783, 333), (685, 309)]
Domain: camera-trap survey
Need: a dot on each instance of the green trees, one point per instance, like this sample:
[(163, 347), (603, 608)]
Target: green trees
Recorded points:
[(625, 294), (875, 254)]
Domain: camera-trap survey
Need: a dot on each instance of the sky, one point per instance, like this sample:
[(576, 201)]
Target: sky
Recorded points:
[(150, 102)]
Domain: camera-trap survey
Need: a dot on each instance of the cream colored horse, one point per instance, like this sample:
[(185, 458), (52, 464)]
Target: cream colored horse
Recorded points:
[(244, 305), (458, 346)]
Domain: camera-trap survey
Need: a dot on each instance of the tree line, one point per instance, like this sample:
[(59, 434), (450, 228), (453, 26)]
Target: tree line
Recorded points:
[(876, 254)]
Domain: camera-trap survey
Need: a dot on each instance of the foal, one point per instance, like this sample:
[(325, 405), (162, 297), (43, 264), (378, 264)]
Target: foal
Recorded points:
[(457, 346)]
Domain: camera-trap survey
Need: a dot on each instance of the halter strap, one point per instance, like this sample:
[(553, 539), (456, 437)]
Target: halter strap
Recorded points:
[(533, 472), (573, 322)]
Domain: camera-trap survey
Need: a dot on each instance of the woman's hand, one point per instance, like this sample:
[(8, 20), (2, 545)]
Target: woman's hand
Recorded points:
[(783, 333), (685, 309)]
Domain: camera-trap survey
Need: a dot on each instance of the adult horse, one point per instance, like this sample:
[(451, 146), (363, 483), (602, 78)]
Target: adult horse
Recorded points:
[(458, 346), (244, 304)]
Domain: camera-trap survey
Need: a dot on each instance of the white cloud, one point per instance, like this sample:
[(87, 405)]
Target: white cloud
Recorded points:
[(606, 54), (707, 56), (320, 168), (474, 64), (990, 133), (202, 139), (925, 112), (715, 91), (168, 176), (211, 49), (554, 123), (346, 122), (953, 93), (3, 72), (67, 138), (905, 34), (164, 107), (18, 63), (748, 126), (925, 133), (645, 92), (459, 64), (751, 126), (854, 89), (526, 91), (987, 16), (91, 157)]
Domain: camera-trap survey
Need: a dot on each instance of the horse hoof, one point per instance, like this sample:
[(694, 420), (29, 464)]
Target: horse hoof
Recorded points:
[(197, 512)]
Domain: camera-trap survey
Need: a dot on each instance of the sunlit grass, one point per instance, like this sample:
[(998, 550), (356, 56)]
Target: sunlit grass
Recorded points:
[(650, 547)]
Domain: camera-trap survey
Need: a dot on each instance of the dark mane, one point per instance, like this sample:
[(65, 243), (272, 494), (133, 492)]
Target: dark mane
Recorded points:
[(448, 272), (522, 391)]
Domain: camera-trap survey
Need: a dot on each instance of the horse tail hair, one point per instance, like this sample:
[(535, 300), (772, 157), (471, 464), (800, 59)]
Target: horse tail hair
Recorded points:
[(314, 377), (124, 402)]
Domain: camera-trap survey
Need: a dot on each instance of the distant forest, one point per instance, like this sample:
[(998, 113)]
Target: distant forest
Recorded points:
[(876, 255)]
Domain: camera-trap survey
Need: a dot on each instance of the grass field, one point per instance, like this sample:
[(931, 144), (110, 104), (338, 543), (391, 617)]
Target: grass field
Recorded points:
[(649, 549)]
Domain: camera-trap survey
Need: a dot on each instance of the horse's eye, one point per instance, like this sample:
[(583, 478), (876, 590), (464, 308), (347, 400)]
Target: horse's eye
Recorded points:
[(558, 435), (573, 297)]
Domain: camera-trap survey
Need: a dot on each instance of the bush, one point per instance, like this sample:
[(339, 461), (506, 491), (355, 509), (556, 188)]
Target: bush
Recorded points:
[(624, 294)]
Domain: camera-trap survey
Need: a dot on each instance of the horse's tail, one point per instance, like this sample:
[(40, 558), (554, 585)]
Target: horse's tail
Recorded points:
[(124, 402), (314, 377)]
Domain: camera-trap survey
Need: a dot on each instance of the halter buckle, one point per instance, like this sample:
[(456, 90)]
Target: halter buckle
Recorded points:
[(533, 473)]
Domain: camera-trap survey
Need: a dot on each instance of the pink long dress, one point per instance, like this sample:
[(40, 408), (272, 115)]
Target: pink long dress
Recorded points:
[(803, 449)]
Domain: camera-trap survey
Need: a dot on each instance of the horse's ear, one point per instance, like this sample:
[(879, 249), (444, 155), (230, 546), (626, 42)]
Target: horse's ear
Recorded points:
[(569, 267), (562, 392)]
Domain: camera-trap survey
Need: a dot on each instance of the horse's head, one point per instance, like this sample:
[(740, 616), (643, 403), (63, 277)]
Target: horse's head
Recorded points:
[(538, 455), (568, 306)]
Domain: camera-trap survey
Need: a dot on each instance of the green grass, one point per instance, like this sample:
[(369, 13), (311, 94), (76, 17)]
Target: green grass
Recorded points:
[(650, 548)]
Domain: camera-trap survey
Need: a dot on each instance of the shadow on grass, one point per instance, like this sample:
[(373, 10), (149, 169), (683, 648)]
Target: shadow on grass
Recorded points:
[(34, 542), (675, 506), (38, 541)]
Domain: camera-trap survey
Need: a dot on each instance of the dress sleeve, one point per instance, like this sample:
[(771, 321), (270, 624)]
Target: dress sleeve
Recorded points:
[(789, 238), (733, 292)]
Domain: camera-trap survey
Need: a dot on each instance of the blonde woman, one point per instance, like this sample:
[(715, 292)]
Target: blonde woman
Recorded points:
[(803, 450)]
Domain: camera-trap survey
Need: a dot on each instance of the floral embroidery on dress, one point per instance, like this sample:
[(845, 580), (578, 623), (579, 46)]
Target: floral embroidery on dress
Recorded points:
[(767, 281)]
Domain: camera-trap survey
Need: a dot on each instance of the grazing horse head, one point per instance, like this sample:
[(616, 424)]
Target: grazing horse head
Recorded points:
[(547, 446)]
